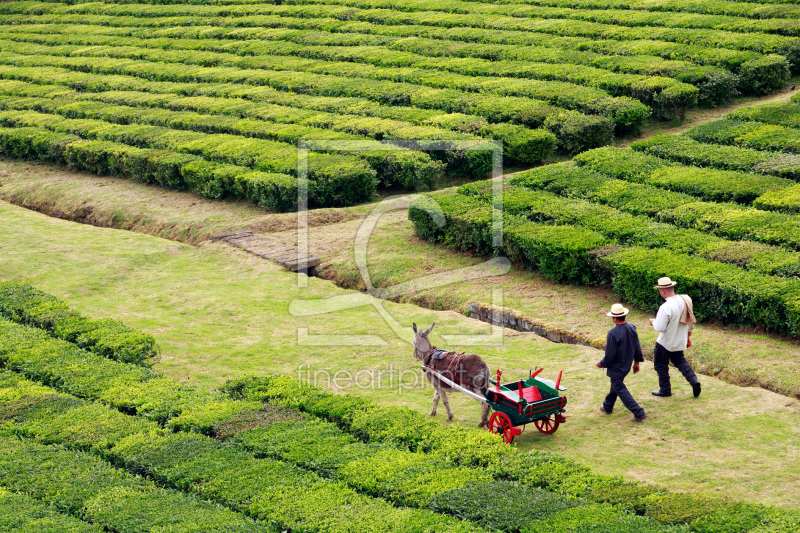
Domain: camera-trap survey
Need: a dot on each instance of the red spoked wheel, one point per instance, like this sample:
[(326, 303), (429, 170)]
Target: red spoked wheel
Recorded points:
[(500, 423), (548, 425)]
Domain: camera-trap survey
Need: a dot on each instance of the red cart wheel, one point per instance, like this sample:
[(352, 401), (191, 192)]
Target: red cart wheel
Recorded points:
[(548, 425), (501, 424)]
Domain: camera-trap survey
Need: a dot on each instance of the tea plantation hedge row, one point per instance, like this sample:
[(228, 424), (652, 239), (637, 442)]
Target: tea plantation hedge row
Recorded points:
[(582, 255), (695, 29), (420, 87), (186, 462), (714, 84), (686, 150), (708, 184), (544, 77), (754, 68), (109, 338), (272, 492), (23, 514), (666, 96), (754, 73), (182, 461), (227, 473), (748, 134), (621, 220)]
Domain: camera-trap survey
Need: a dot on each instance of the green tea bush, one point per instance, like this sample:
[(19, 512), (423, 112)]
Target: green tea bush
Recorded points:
[(247, 420), (722, 291), (673, 508), (629, 496), (780, 113), (722, 131), (523, 144), (501, 505), (784, 165), (204, 418), (312, 444), (600, 519), (717, 185), (690, 152), (765, 74), (560, 253), (786, 200), (23, 514), (25, 304), (576, 133), (407, 478), (739, 518)]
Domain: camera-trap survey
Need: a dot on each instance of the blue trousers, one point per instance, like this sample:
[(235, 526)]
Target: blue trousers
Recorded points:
[(619, 390), (661, 360)]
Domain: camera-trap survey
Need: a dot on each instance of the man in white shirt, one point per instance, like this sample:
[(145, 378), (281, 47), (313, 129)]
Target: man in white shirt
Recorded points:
[(672, 340)]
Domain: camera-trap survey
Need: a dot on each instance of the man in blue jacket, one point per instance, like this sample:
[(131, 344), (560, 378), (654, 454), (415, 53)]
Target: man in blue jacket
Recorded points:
[(622, 350)]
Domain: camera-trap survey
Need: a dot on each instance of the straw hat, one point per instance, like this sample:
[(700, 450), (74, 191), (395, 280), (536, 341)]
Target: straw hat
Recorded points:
[(665, 283), (617, 311)]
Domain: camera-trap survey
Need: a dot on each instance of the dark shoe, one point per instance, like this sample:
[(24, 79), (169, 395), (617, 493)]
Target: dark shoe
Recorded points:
[(696, 389), (634, 419), (603, 410), (661, 393)]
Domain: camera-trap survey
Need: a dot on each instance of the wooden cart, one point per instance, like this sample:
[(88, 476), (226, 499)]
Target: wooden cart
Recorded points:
[(518, 403)]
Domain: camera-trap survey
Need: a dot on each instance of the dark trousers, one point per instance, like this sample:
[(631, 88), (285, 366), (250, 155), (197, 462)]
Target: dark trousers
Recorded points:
[(661, 359), (619, 390)]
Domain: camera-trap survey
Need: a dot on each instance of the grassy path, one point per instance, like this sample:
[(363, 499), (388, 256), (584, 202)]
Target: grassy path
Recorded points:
[(742, 356), (219, 313)]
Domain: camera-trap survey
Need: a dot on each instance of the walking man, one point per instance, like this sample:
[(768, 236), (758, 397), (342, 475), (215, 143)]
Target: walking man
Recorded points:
[(622, 350), (672, 340)]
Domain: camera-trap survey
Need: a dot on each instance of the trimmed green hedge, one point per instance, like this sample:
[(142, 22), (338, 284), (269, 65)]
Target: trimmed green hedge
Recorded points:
[(503, 505), (749, 134), (85, 485), (193, 463), (786, 200), (26, 304), (22, 514), (724, 292)]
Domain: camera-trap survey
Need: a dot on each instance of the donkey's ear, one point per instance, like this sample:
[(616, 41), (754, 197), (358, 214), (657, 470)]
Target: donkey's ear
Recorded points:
[(414, 326), (427, 331)]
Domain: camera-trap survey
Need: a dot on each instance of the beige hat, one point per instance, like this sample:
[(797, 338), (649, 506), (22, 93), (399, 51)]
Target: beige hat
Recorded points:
[(617, 310), (665, 283)]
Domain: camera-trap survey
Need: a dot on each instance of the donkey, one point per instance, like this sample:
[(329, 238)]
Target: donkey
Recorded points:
[(469, 371)]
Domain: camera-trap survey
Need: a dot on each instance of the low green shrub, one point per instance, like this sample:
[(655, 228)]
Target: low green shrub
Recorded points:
[(600, 519), (629, 496), (725, 292), (312, 444), (784, 165), (501, 505), (675, 508), (247, 420), (620, 163), (764, 74), (22, 514), (560, 253), (522, 144), (722, 131), (407, 478), (576, 132), (786, 200), (204, 418), (739, 518), (25, 304), (690, 152)]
